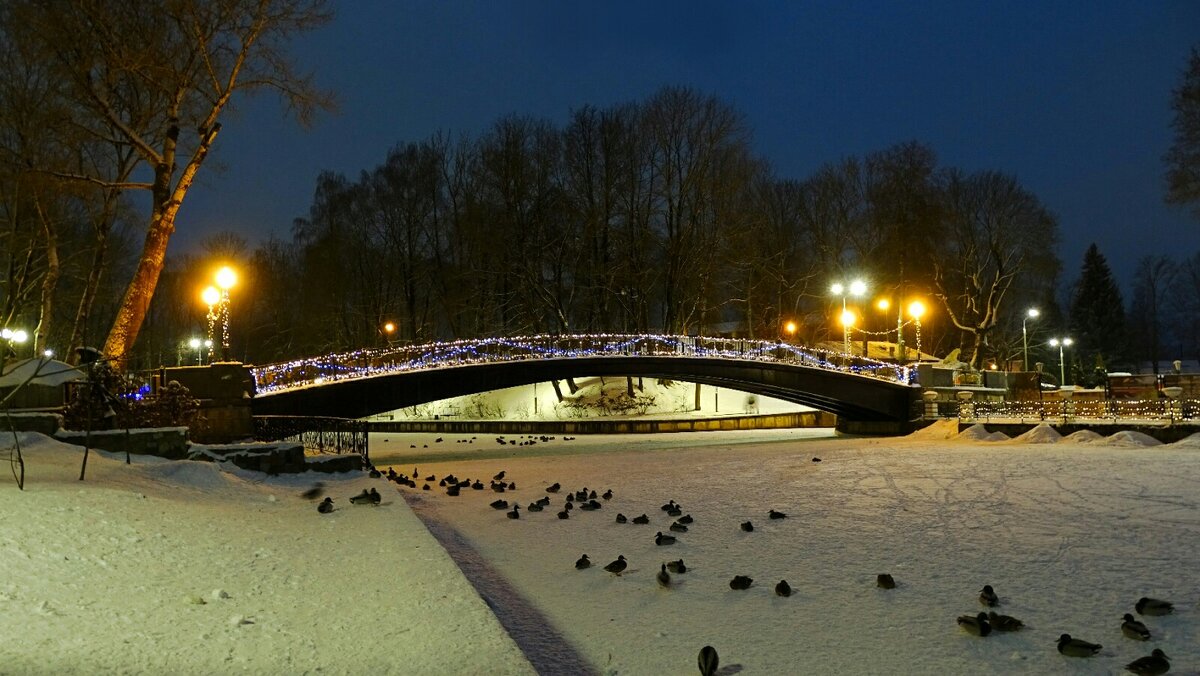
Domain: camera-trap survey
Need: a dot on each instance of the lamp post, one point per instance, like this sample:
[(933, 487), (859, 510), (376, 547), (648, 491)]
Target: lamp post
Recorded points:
[(1031, 313), (195, 343), (856, 288), (916, 310), (212, 298), (11, 339), (226, 278), (790, 329), (389, 328), (1062, 370)]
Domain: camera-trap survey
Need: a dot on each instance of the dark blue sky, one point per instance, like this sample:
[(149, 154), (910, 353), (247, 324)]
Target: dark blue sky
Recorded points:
[(1073, 98)]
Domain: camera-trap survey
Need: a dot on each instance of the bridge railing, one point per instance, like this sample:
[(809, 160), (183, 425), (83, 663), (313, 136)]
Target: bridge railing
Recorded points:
[(395, 359)]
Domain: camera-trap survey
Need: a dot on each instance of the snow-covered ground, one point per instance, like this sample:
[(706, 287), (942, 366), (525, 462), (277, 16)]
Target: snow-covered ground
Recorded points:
[(597, 396), (177, 567), (107, 575), (1069, 534)]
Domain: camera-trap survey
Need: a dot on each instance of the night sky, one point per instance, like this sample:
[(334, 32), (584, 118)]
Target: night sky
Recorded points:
[(1072, 98)]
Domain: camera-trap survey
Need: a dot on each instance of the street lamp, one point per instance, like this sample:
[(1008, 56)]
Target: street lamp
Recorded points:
[(389, 328), (226, 278), (857, 288), (1031, 313), (11, 338), (195, 343), (790, 329), (1062, 371), (212, 298), (916, 310)]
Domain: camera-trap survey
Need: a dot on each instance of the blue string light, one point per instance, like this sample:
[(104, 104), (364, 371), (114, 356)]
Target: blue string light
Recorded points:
[(370, 362)]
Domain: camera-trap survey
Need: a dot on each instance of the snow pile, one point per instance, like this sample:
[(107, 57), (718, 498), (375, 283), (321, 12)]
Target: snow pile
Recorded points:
[(178, 567), (939, 431), (1131, 438), (1083, 437), (1042, 434), (1192, 441), (978, 432), (46, 372)]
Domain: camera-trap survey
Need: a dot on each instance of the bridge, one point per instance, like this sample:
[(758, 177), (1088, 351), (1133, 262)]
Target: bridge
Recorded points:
[(366, 382)]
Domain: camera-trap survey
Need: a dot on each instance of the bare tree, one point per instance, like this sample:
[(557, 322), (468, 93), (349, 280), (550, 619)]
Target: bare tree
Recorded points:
[(1183, 158), (155, 78), (1152, 284), (996, 230)]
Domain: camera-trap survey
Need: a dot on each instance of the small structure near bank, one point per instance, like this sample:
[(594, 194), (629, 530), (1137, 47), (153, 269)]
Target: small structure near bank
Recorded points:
[(37, 384)]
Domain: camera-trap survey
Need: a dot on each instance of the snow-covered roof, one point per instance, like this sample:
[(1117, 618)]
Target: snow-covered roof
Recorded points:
[(47, 372)]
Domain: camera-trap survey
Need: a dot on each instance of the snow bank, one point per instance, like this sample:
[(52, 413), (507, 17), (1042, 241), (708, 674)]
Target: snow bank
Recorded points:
[(1041, 434), (177, 567), (1192, 441), (938, 431), (1131, 438), (978, 432), (1083, 437)]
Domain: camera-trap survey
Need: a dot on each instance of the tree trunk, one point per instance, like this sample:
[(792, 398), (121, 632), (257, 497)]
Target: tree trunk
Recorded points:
[(557, 390), (572, 386), (132, 312), (49, 283)]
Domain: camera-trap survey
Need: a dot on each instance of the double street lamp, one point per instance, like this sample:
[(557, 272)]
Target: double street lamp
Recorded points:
[(1031, 313), (856, 288), (217, 299), (1062, 371)]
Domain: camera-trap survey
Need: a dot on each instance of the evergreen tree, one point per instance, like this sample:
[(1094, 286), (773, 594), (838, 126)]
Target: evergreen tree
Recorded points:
[(1097, 316)]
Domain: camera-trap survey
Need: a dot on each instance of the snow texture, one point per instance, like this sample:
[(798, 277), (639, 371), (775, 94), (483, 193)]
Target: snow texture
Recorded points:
[(191, 568), (178, 567)]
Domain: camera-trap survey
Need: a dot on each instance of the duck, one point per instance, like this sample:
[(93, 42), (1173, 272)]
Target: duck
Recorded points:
[(374, 497), (426, 487), (512, 485), (564, 514), (621, 518), (514, 514), (499, 476), (374, 473), (1151, 665), (663, 577), (660, 539), (708, 661), (583, 562), (669, 506), (592, 495), (773, 514), (686, 518), (1074, 647), (975, 625), (362, 498), (617, 566), (535, 507), (885, 581), (326, 506), (452, 491), (747, 526), (554, 488), (987, 596), (816, 459), (783, 589), (740, 582), (500, 504), (592, 505), (1149, 606), (607, 494), (431, 477), (674, 512), (677, 566), (478, 485), (1004, 622), (678, 527), (1134, 629), (643, 519)]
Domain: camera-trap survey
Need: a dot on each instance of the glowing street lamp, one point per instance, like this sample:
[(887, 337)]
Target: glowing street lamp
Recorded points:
[(389, 329), (857, 288), (12, 338), (226, 279), (790, 329), (1031, 313), (916, 310), (1062, 369), (195, 343)]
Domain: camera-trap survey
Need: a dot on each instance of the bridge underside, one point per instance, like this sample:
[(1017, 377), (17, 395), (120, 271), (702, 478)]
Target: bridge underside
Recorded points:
[(848, 396)]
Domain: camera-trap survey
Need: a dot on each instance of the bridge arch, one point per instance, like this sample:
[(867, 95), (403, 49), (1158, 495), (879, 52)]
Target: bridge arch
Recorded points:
[(363, 383)]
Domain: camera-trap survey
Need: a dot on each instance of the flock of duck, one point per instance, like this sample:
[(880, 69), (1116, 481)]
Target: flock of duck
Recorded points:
[(1153, 664), (982, 624)]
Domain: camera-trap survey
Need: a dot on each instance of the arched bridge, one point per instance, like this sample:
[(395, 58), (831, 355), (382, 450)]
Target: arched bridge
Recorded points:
[(366, 382)]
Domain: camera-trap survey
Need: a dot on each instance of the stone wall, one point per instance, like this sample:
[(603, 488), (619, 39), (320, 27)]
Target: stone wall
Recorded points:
[(164, 442), (46, 423)]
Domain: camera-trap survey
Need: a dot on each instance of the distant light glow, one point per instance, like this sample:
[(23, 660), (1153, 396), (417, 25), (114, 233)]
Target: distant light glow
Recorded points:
[(47, 353), (916, 309), (883, 304), (837, 289), (210, 295), (389, 327), (858, 287), (194, 343), (847, 318), (1032, 312), (226, 278), (20, 336), (790, 327)]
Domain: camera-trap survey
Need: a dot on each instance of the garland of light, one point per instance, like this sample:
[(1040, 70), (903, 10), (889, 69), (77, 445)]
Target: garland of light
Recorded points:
[(370, 362)]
